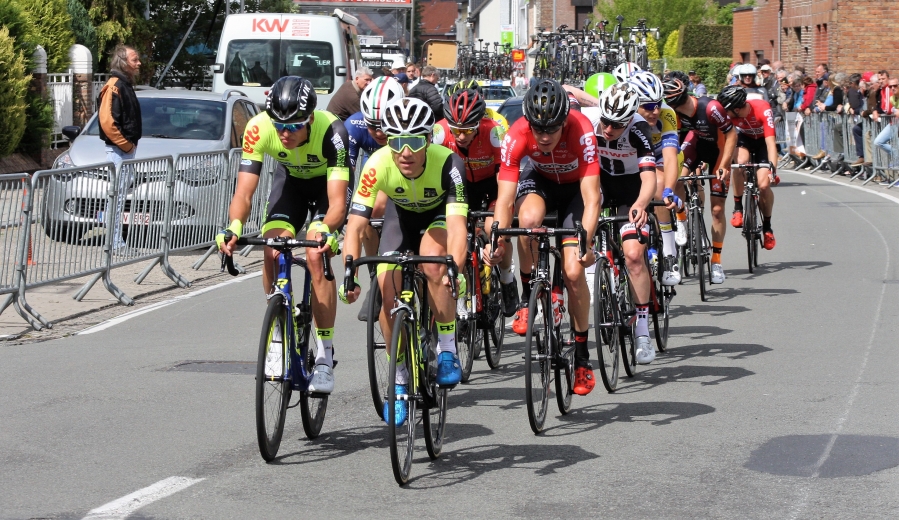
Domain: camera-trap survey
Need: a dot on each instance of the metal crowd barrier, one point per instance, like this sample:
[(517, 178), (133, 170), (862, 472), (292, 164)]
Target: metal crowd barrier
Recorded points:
[(56, 225), (884, 157)]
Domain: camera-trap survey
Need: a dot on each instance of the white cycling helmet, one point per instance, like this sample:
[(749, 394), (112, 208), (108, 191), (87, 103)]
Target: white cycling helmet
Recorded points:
[(648, 86), (619, 103), (745, 69), (624, 71), (378, 94), (407, 116)]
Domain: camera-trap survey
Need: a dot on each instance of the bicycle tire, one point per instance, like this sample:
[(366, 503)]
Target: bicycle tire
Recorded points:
[(698, 253), (494, 335), (662, 318), (759, 235), (434, 422), (536, 357), (312, 406), (376, 351), (402, 438), (466, 330), (607, 340), (749, 229), (564, 364), (627, 311), (272, 397)]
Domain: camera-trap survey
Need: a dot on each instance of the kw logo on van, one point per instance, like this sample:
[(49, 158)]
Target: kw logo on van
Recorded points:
[(266, 25), (250, 139)]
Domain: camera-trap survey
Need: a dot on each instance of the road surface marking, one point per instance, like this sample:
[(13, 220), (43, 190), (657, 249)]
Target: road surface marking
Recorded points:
[(128, 504)]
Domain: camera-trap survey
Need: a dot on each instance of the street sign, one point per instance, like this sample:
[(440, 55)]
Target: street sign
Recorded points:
[(518, 55)]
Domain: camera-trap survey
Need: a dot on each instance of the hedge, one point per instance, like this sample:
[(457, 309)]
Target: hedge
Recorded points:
[(713, 71), (51, 28), (13, 87), (706, 41)]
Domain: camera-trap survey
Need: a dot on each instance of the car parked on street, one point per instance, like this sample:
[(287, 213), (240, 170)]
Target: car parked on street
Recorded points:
[(511, 109), (175, 122)]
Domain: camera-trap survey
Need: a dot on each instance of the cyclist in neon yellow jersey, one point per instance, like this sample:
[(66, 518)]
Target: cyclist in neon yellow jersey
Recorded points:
[(426, 214), (310, 147)]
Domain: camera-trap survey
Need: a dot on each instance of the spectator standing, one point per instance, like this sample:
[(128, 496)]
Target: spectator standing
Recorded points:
[(414, 74), (821, 73), (426, 90), (889, 95), (856, 100), (699, 89), (345, 101), (769, 82), (120, 128)]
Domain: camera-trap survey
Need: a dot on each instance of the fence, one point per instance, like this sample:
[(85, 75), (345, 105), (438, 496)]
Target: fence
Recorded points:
[(60, 224), (831, 142), (60, 87)]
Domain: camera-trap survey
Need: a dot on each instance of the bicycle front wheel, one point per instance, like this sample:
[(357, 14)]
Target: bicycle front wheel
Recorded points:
[(698, 252), (312, 406), (495, 334), (376, 350), (661, 317), (402, 437), (434, 422), (749, 223), (563, 372), (628, 313), (537, 356), (273, 390), (466, 329), (605, 319)]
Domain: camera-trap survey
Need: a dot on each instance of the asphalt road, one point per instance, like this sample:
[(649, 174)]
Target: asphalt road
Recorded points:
[(777, 399)]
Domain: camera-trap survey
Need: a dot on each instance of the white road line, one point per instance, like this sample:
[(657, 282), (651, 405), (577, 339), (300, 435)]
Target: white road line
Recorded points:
[(158, 305), (862, 188), (803, 501), (128, 504)]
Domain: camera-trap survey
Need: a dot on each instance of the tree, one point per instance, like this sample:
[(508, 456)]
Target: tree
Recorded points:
[(652, 48), (51, 27), (13, 87), (725, 13), (85, 34), (671, 44), (120, 21), (667, 15)]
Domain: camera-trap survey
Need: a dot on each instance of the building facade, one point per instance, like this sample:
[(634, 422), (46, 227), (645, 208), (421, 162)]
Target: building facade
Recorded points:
[(848, 35)]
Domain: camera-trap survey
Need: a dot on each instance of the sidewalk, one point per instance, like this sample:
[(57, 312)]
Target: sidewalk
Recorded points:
[(68, 316)]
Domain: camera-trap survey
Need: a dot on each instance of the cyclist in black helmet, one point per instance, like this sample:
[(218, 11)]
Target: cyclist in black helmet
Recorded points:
[(312, 173)]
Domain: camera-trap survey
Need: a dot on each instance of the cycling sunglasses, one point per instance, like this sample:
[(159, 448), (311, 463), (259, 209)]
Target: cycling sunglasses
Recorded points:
[(545, 129), (290, 127), (614, 124), (374, 127), (415, 143), (649, 107), (462, 131)]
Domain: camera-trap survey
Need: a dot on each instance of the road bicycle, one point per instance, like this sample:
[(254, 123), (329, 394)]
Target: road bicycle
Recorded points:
[(414, 344), (376, 343), (660, 295), (698, 251), (752, 217), (287, 326), (549, 341)]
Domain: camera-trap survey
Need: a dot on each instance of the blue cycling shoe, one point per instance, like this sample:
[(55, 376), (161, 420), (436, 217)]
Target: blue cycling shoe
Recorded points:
[(401, 407), (449, 369)]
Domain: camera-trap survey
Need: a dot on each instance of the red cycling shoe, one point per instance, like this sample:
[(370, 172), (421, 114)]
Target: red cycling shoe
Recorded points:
[(737, 219), (583, 380), (768, 242)]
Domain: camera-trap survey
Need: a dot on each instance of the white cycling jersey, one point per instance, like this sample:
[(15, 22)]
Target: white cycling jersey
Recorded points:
[(629, 154)]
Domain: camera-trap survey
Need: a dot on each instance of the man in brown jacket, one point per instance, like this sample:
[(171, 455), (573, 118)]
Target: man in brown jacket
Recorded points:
[(120, 128), (346, 100)]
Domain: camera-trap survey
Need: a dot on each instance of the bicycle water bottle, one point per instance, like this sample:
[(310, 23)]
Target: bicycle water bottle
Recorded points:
[(485, 279), (557, 306), (653, 256)]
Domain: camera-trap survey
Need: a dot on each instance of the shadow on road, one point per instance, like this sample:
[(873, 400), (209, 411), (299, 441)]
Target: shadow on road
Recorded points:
[(727, 350), (657, 413), (729, 293), (698, 332), (657, 375), (711, 310)]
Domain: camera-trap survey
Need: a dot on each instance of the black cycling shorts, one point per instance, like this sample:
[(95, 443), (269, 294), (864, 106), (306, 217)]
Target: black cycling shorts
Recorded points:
[(402, 230), (482, 194), (758, 148), (698, 150), (564, 198), (292, 199)]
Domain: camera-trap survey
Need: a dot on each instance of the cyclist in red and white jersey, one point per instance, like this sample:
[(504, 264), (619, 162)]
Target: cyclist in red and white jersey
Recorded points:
[(756, 143), (563, 175), (477, 140)]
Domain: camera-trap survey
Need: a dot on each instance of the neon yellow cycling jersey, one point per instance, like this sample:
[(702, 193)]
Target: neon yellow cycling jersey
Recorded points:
[(440, 183), (323, 153), (664, 134)]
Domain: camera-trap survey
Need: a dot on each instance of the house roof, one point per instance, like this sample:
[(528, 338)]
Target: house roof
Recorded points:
[(438, 17)]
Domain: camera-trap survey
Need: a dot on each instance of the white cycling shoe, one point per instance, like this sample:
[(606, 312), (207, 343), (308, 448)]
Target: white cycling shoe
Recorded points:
[(646, 353), (274, 367), (680, 234), (671, 276), (718, 274), (322, 380)]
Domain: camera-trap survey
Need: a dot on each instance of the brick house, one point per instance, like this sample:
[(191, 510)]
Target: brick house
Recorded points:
[(848, 35)]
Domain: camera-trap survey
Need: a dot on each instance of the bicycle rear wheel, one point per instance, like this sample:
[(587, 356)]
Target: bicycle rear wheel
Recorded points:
[(312, 406), (749, 223), (698, 253), (563, 371), (605, 317), (272, 393), (536, 357), (376, 350), (628, 313), (434, 419), (402, 438), (661, 317), (466, 329), (495, 333)]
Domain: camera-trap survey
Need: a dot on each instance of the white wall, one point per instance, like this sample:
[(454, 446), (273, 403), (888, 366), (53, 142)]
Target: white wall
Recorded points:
[(489, 20)]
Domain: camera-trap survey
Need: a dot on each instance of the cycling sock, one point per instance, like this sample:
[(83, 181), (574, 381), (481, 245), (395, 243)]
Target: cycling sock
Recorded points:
[(716, 252), (325, 355), (766, 223), (402, 375), (581, 352), (525, 286), (669, 248), (738, 203), (682, 215), (642, 321), (446, 337), (507, 276)]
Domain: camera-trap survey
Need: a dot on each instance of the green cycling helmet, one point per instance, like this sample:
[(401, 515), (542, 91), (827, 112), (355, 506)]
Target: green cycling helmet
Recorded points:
[(598, 82)]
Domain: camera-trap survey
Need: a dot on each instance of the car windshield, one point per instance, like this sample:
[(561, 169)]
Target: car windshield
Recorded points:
[(173, 118), (257, 63), (497, 92), (511, 111)]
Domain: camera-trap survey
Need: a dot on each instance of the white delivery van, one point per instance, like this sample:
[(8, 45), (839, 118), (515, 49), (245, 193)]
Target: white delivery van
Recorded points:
[(256, 49)]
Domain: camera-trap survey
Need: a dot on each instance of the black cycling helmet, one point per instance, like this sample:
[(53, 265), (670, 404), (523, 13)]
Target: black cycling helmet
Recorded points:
[(675, 92), (732, 97), (465, 108), (546, 104), (677, 74), (291, 98)]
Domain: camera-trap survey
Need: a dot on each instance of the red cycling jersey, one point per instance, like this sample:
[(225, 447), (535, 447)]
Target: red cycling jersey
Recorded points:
[(759, 123), (482, 155), (573, 158)]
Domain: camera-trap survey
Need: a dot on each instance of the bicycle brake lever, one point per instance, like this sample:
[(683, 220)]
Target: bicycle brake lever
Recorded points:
[(348, 279), (451, 273), (228, 262)]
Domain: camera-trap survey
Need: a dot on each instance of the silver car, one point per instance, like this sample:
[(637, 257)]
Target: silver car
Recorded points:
[(174, 122)]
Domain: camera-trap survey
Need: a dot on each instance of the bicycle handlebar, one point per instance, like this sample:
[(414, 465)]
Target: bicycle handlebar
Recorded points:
[(451, 269), (578, 231), (279, 244), (757, 166), (696, 178)]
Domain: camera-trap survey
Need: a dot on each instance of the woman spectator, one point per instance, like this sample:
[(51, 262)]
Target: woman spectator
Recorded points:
[(809, 90), (833, 102), (699, 89)]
